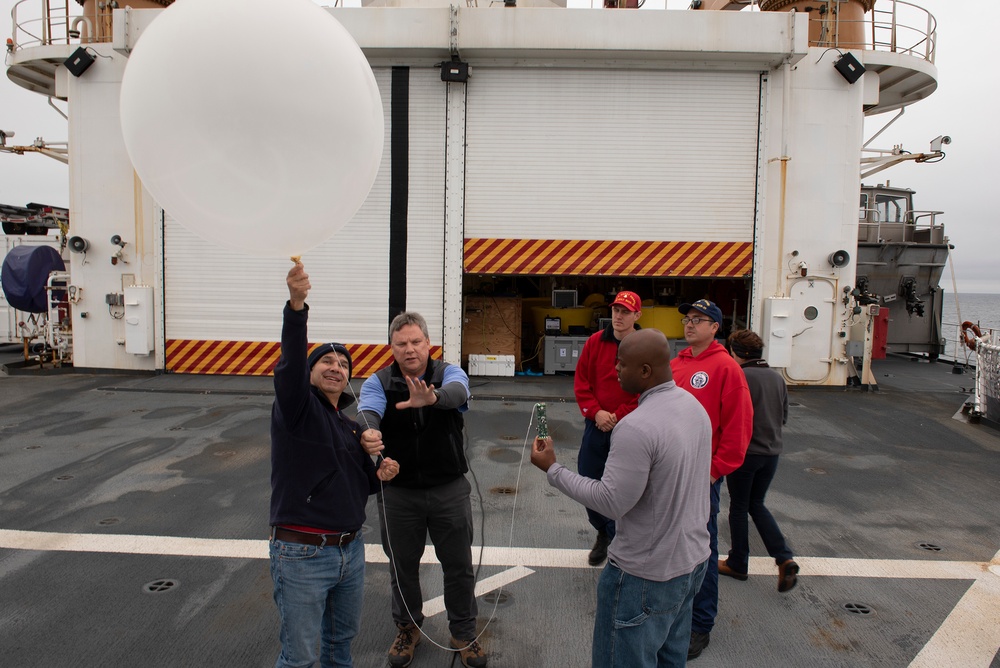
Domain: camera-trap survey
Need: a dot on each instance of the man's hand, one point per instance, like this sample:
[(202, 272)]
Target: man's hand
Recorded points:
[(298, 286), (543, 455), (421, 394), (605, 421), (387, 470), (371, 441)]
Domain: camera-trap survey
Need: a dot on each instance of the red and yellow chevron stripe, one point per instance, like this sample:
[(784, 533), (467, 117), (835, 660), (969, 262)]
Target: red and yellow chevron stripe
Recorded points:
[(258, 358), (694, 259)]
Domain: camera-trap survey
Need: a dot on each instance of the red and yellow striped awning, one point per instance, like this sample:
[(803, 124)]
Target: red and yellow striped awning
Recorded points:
[(694, 259), (258, 358)]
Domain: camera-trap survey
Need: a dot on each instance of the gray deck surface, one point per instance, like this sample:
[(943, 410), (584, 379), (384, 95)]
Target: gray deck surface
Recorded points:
[(866, 479)]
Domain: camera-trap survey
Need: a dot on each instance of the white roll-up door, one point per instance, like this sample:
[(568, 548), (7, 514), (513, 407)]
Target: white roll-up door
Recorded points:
[(212, 293), (612, 154), (425, 208)]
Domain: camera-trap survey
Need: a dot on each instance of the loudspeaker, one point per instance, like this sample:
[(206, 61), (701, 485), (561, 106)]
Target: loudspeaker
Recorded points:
[(840, 258), (78, 244), (78, 63), (849, 67)]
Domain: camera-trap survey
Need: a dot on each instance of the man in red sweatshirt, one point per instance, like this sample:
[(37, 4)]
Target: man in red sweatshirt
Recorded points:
[(707, 371), (603, 403)]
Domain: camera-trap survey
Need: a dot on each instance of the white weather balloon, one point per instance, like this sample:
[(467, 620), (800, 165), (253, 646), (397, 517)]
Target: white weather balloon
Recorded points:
[(256, 124)]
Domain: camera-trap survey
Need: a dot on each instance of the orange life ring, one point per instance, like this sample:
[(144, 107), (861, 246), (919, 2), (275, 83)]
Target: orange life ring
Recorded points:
[(968, 329)]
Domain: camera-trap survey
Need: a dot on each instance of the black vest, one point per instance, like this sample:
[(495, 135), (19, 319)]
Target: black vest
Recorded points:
[(427, 442)]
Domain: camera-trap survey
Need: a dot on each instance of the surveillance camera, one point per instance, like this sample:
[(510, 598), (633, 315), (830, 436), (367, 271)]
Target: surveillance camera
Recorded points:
[(938, 141)]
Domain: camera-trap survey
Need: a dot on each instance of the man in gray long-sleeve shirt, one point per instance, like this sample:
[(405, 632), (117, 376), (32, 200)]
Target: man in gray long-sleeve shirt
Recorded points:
[(654, 488)]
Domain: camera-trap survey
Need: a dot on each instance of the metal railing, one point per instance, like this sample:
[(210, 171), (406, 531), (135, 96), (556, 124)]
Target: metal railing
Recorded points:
[(893, 25), (45, 22), (986, 401), (915, 34), (915, 226)]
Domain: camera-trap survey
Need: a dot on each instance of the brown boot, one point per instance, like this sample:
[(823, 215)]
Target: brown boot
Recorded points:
[(724, 569), (788, 573), (470, 652), (401, 652)]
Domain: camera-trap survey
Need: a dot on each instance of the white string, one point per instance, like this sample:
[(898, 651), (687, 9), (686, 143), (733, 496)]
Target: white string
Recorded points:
[(482, 545)]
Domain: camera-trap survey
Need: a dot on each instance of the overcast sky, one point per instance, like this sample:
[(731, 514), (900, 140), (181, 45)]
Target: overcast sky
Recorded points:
[(964, 107)]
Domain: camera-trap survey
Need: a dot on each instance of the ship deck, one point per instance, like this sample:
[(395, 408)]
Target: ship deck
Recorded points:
[(133, 523)]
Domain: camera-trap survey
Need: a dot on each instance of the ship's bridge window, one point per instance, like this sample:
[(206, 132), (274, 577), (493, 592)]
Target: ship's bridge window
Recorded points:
[(892, 208)]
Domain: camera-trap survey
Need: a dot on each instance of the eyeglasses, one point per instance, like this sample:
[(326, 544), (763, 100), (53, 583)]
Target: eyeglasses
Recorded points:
[(695, 321)]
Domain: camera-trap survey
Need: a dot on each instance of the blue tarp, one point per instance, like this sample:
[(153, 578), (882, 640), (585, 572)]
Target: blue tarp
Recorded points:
[(25, 272)]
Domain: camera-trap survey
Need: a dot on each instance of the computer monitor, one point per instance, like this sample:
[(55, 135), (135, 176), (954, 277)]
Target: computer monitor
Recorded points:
[(564, 299)]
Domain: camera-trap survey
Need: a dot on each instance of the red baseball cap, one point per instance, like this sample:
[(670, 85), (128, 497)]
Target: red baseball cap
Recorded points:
[(629, 300)]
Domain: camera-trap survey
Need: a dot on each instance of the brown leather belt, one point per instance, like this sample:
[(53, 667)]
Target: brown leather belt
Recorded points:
[(319, 539)]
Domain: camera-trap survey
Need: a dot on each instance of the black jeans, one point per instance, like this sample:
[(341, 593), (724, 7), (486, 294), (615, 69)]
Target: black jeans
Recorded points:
[(445, 513), (747, 488)]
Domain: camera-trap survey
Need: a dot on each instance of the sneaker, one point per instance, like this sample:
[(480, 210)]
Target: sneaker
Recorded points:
[(788, 575), (699, 641), (470, 652), (724, 569), (401, 652), (599, 552)]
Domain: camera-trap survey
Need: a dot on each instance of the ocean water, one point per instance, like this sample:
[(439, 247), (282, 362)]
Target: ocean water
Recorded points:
[(980, 309)]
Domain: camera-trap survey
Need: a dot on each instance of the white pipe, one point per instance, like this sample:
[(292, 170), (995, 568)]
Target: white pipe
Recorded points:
[(75, 24)]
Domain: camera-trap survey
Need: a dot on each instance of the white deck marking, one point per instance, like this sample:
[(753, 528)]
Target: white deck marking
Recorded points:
[(970, 631), (435, 606)]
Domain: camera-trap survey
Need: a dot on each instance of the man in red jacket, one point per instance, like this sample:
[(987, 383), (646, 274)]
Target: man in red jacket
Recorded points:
[(707, 371), (603, 403)]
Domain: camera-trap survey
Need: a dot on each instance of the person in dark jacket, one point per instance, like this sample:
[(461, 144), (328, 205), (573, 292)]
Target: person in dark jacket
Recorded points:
[(415, 406), (321, 478), (748, 484)]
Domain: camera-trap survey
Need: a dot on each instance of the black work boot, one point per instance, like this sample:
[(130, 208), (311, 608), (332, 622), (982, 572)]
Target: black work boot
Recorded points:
[(599, 552)]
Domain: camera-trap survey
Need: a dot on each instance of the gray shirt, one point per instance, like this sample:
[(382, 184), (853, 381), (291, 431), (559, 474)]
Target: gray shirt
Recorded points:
[(770, 407), (655, 485)]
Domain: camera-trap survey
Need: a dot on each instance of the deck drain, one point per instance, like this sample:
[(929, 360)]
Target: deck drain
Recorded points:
[(138, 410), (33, 447), (509, 403), (63, 478), (503, 490), (858, 609), (108, 521), (159, 586), (497, 597), (175, 429), (816, 470), (510, 438), (224, 453), (930, 547)]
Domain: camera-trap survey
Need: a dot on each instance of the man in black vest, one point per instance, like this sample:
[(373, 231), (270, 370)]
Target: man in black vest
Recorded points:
[(415, 407)]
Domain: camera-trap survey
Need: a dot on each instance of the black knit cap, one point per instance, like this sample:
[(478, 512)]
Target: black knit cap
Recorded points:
[(327, 348)]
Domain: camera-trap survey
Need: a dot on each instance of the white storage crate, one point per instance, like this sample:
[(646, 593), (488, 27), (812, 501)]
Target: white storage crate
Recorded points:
[(491, 365)]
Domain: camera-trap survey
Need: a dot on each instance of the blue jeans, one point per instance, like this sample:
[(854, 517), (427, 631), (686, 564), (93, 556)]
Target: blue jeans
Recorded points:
[(318, 591), (706, 603), (594, 451), (641, 623), (747, 488)]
